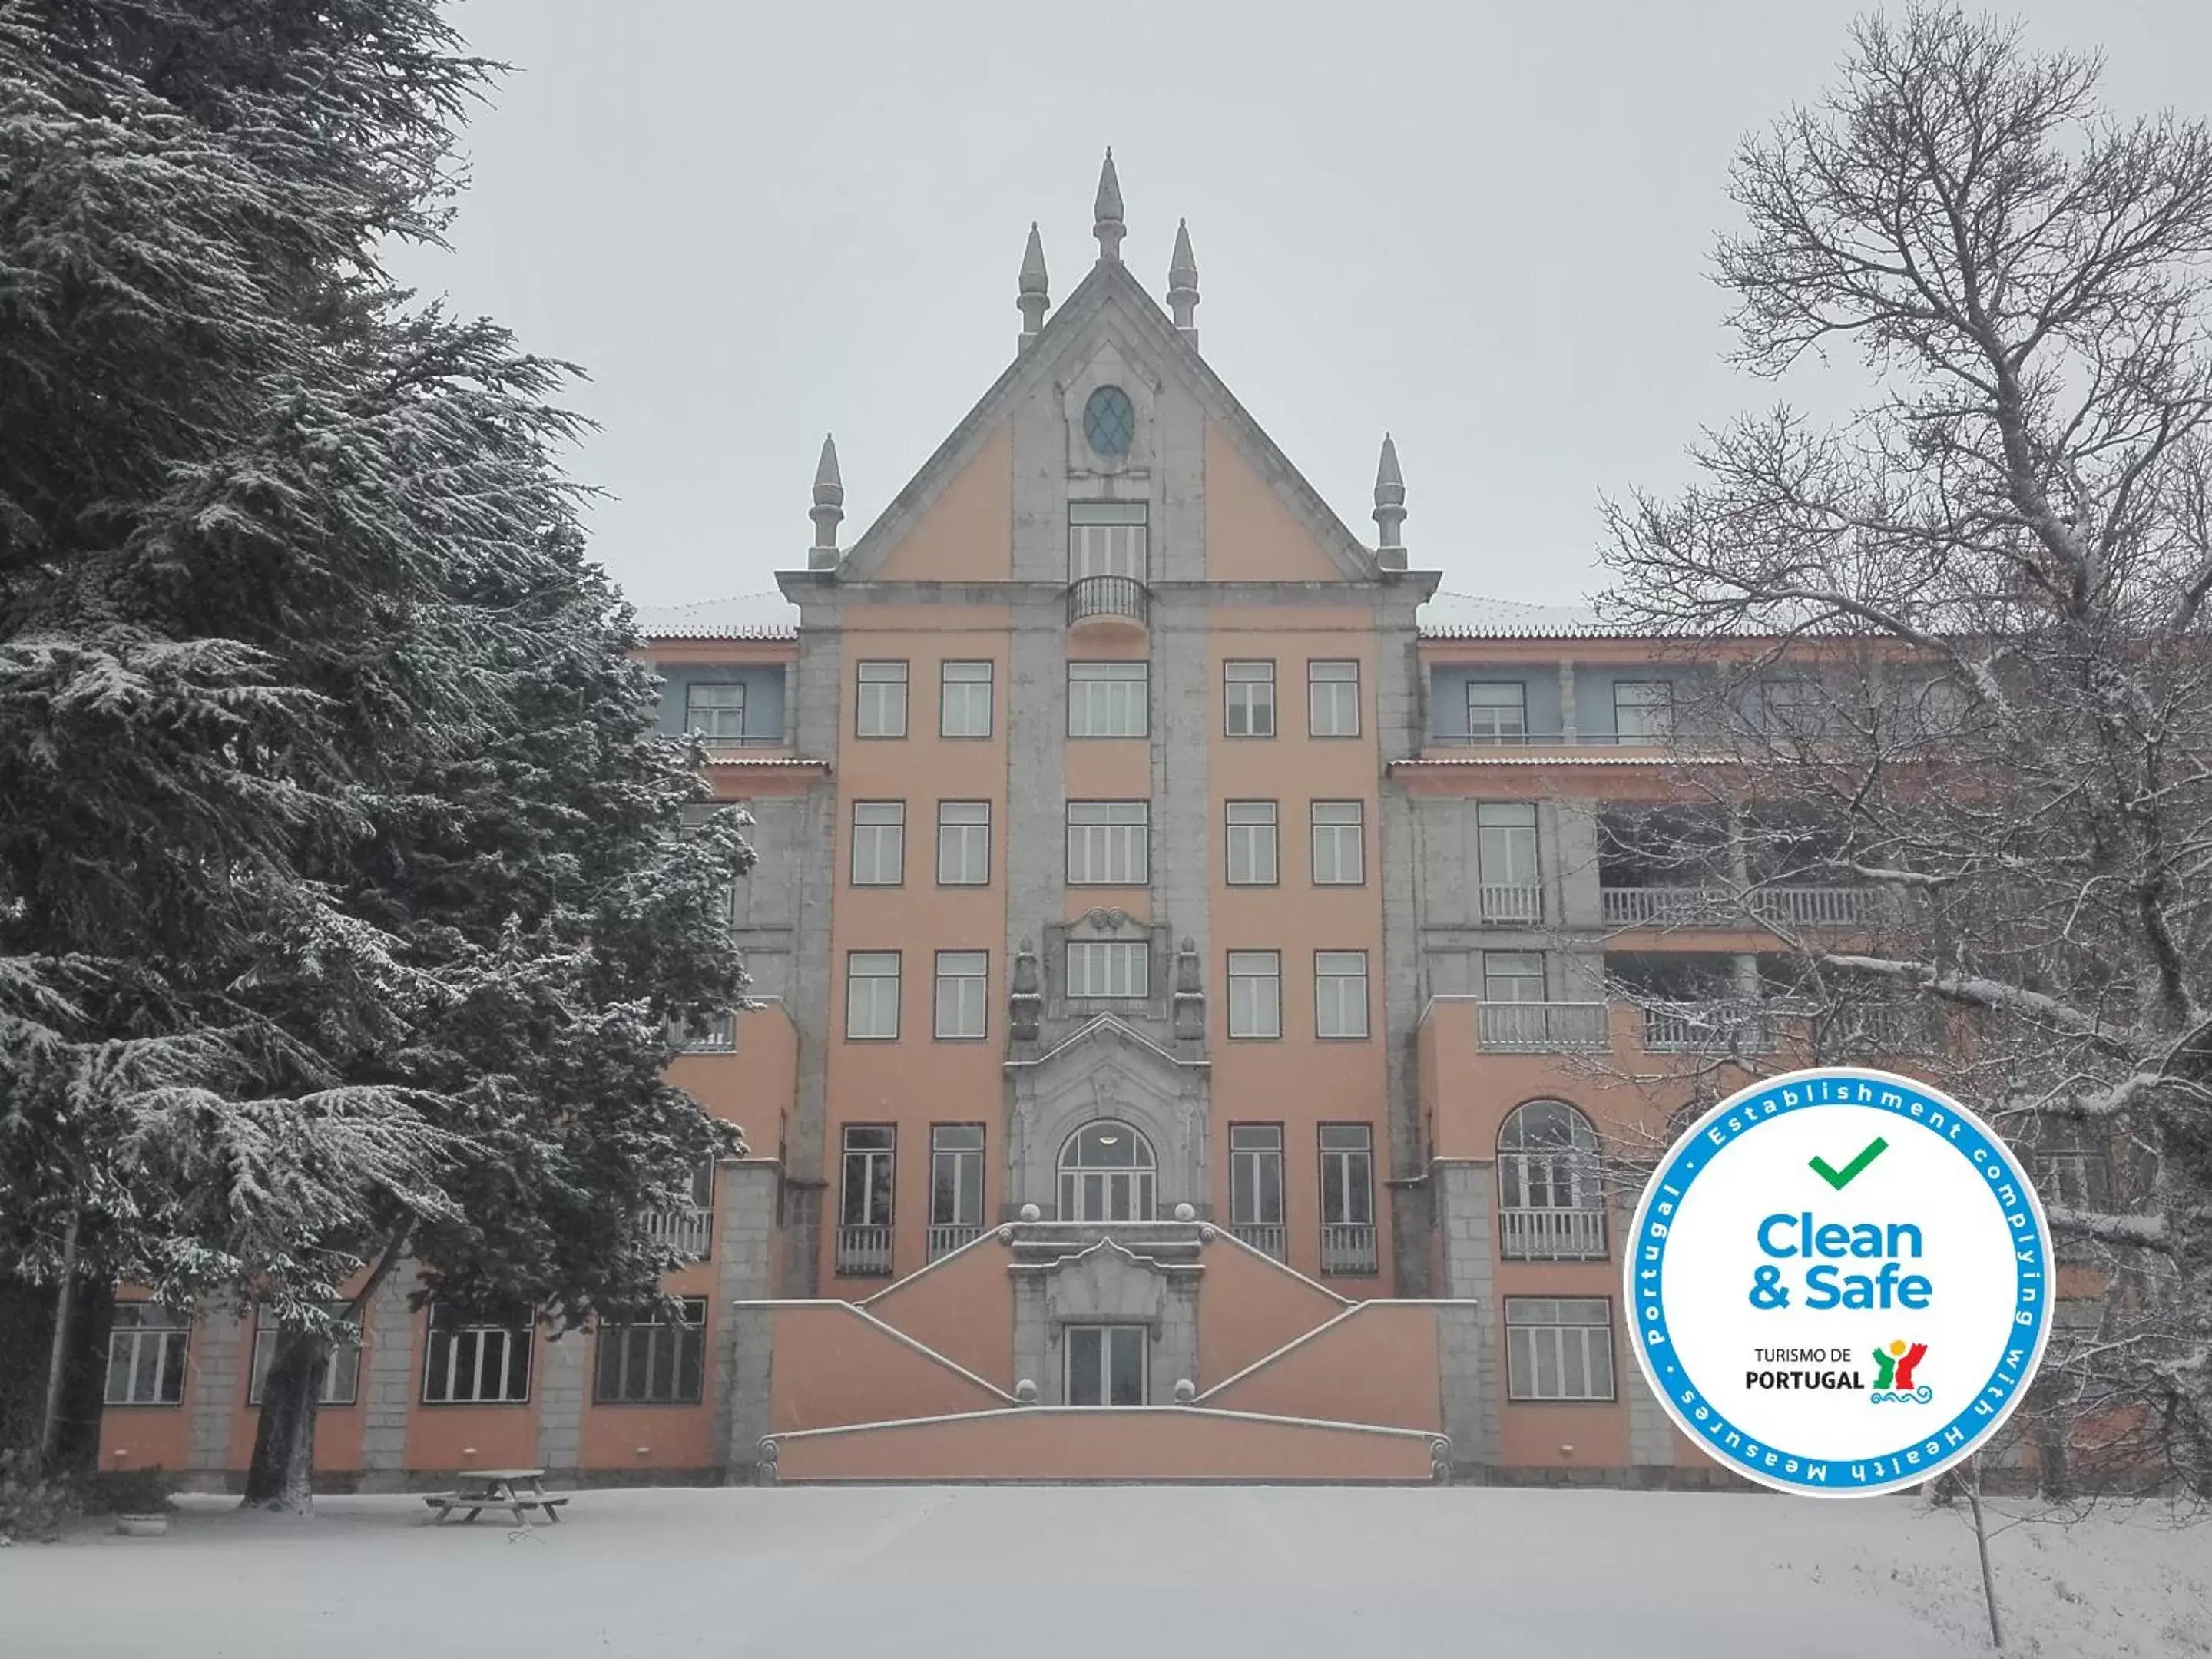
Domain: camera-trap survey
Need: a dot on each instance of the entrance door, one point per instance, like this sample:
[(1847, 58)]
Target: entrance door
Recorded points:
[(1106, 1365), (1106, 1173)]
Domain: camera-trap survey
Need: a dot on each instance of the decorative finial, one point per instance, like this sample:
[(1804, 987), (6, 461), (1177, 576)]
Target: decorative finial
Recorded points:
[(1106, 212), (1034, 295), (828, 509), (1183, 283), (1389, 508)]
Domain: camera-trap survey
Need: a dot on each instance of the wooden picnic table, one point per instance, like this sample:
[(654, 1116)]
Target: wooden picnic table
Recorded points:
[(479, 1489)]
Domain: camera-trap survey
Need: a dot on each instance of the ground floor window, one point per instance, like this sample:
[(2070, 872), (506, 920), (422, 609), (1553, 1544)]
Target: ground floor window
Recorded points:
[(477, 1357), (1105, 1364), (1558, 1348), (146, 1349), (659, 1363), (341, 1368)]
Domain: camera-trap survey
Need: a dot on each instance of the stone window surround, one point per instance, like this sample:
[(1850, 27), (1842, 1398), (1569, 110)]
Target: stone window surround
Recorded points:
[(1101, 923)]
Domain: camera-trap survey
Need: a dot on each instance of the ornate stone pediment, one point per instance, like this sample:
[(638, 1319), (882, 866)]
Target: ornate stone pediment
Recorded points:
[(1105, 1283), (1107, 1070)]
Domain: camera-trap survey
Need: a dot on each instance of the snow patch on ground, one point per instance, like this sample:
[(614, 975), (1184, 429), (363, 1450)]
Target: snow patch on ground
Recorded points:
[(1239, 1571)]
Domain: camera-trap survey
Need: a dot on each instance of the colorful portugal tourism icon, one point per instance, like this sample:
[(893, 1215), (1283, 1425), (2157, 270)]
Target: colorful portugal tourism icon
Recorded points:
[(1839, 1282)]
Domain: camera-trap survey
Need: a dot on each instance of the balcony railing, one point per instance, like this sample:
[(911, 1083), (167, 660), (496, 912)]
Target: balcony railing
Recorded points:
[(1549, 739), (1268, 1238), (1511, 902), (946, 1236), (1541, 1028), (1713, 906), (1551, 1235), (688, 1230), (1347, 1247), (865, 1250), (1680, 1028), (1118, 598)]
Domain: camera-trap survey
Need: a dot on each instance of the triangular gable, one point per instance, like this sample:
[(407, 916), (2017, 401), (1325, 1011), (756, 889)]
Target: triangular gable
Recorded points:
[(1109, 287)]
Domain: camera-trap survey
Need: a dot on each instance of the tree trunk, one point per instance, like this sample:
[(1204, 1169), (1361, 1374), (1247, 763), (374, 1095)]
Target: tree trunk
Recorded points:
[(282, 1476), (50, 1417), (1982, 1547)]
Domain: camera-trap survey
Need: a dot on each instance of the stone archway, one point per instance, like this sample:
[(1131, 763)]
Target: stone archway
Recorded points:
[(1106, 1071)]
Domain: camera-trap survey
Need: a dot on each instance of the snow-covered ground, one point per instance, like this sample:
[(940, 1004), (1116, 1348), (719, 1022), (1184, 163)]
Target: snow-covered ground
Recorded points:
[(1232, 1572)]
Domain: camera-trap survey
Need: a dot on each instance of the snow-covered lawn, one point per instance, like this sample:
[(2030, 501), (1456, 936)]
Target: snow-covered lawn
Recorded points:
[(1230, 1571)]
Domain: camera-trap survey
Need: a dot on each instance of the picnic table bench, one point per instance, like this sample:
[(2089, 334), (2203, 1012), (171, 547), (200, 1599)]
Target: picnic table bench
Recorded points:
[(479, 1489)]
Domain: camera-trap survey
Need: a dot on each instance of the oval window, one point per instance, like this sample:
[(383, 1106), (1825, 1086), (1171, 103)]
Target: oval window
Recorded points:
[(1109, 421)]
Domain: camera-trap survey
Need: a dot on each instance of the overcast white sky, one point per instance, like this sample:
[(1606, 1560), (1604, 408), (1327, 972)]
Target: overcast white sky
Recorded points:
[(1484, 226)]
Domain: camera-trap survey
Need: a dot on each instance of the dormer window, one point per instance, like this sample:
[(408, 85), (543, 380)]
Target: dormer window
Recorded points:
[(1110, 422)]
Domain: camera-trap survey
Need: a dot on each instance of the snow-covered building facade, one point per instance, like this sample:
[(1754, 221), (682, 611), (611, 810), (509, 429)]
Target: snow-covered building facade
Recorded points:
[(1179, 1047)]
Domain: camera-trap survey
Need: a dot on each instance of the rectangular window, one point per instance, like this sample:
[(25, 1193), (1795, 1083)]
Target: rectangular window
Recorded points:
[(1789, 707), (1332, 699), (1642, 710), (1255, 1177), (963, 843), (1339, 993), (878, 843), (1106, 1365), (661, 1362), (963, 700), (1251, 842), (961, 981), (872, 995), (1505, 844), (1106, 539), (707, 1034), (1109, 699), (341, 1369), (1248, 699), (146, 1349), (1340, 843), (716, 713), (879, 709), (477, 1357), (1348, 1199), (1108, 968), (1558, 1348), (1108, 844), (870, 1151), (1255, 994), (1497, 711), (956, 1179), (1513, 977)]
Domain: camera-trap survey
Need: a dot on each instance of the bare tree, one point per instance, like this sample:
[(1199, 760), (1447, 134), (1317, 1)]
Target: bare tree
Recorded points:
[(1954, 650)]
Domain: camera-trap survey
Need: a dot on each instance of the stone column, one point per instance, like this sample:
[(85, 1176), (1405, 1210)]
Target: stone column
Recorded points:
[(561, 1379), (743, 1329), (1465, 1216), (219, 1358), (388, 1383)]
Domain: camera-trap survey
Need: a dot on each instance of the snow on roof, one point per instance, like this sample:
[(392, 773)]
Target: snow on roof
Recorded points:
[(741, 617), (1471, 616)]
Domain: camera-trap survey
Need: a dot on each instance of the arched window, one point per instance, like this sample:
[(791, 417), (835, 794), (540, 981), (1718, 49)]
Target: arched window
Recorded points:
[(1106, 1173), (1549, 1204)]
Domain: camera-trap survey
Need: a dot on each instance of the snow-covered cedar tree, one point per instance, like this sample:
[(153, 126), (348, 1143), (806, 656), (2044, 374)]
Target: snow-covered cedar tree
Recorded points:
[(1983, 598), (346, 900)]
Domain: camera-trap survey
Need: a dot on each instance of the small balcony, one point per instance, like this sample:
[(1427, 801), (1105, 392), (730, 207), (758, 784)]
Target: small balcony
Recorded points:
[(946, 1236), (1109, 604), (1512, 904), (1713, 906), (1268, 1238), (865, 1251), (1692, 1028), (689, 1231), (1551, 1235), (1542, 1028), (1347, 1247)]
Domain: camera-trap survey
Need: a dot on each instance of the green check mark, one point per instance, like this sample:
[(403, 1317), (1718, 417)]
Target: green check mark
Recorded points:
[(1852, 1171)]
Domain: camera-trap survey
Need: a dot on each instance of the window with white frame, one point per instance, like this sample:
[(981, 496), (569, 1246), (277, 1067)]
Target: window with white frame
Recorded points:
[(1108, 844), (1248, 697), (1255, 994), (1251, 843), (1332, 699), (1108, 968), (1347, 1174), (871, 1161), (963, 843), (341, 1363), (1109, 699), (1642, 710), (147, 1346), (1256, 1176), (1340, 843), (872, 995), (963, 700), (878, 843), (659, 1362), (962, 980), (716, 712), (1107, 538), (879, 706), (1339, 993), (477, 1356), (956, 1174), (1497, 711), (1790, 705), (1513, 976), (707, 1034), (1558, 1348), (1506, 843), (1105, 1364)]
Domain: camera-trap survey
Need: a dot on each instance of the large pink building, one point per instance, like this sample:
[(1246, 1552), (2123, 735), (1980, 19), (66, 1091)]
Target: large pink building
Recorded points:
[(1181, 1047)]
